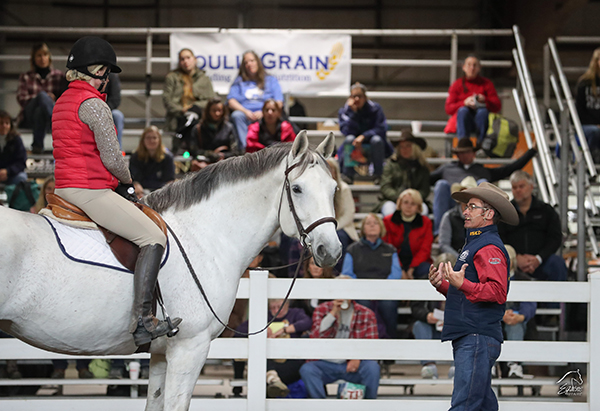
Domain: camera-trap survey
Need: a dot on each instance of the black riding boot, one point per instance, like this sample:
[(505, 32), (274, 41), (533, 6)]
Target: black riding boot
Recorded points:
[(145, 326)]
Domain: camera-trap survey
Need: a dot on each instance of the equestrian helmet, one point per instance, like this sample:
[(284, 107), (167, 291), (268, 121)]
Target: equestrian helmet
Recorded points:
[(91, 50)]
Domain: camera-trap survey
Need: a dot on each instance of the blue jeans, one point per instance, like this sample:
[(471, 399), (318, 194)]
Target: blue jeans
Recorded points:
[(421, 271), (316, 374), (553, 269), (38, 116), (470, 120), (62, 364), (425, 331), (515, 332), (474, 357), (119, 120), (388, 313), (241, 123), (376, 155)]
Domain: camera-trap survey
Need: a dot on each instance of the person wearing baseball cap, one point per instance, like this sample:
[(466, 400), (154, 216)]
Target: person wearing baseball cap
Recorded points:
[(92, 174), (475, 290)]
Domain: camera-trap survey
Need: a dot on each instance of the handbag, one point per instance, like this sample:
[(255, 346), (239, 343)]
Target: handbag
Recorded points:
[(22, 196)]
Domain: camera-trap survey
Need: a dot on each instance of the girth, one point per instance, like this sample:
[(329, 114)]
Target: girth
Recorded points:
[(124, 250)]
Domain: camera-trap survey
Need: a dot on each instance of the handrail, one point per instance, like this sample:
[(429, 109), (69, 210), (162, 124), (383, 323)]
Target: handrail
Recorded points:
[(537, 130), (572, 109)]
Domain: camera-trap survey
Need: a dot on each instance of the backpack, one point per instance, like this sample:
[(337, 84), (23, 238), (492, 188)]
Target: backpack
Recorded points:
[(22, 196), (501, 138)]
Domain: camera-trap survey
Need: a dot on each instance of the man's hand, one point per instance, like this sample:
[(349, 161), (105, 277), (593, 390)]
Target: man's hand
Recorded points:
[(527, 263), (3, 174), (455, 278), (510, 318), (337, 307), (431, 319), (352, 104), (436, 275), (352, 365), (357, 142)]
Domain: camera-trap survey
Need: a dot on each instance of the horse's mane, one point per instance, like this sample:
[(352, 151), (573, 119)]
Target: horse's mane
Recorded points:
[(198, 186)]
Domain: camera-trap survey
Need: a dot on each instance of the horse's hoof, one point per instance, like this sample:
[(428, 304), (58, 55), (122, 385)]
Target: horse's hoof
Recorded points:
[(173, 332)]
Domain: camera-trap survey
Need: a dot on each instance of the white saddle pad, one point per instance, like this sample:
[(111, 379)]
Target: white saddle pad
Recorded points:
[(88, 246)]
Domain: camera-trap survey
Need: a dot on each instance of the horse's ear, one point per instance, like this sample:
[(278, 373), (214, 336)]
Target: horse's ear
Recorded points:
[(327, 146), (300, 144)]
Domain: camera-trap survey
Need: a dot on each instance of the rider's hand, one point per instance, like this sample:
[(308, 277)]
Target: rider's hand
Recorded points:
[(127, 191)]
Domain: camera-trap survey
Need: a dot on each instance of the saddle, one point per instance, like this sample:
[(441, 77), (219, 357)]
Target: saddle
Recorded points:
[(124, 250)]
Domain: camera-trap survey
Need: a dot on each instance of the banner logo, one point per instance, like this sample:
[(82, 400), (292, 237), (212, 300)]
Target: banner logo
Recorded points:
[(336, 54)]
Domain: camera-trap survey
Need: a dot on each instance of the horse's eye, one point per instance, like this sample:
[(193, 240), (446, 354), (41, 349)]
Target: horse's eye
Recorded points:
[(297, 189)]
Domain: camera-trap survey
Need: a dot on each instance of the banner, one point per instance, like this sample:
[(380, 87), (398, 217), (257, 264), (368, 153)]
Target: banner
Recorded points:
[(301, 62)]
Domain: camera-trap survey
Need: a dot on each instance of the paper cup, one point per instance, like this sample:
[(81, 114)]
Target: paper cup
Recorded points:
[(134, 370), (416, 126)]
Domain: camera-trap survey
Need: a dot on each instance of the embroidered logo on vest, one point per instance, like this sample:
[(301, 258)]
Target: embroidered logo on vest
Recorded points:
[(472, 233), (494, 260), (464, 255)]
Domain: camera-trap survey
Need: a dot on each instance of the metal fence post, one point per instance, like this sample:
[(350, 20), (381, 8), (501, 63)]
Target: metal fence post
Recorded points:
[(593, 393), (257, 344)]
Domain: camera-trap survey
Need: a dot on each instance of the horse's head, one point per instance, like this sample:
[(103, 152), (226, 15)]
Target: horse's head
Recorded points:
[(311, 190)]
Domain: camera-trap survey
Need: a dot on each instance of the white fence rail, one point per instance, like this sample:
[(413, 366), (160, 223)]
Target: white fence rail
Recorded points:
[(258, 348)]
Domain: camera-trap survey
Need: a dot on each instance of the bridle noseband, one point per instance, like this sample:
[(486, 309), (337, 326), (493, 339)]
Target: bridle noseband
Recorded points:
[(302, 232)]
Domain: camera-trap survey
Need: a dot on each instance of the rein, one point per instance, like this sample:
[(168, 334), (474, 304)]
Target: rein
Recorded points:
[(303, 235)]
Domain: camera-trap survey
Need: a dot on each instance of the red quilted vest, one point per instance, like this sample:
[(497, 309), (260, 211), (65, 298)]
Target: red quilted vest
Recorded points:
[(77, 159)]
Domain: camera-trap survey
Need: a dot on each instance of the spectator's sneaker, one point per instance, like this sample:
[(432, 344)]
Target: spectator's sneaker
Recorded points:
[(275, 387), (116, 373), (58, 374), (429, 372), (451, 373), (515, 370)]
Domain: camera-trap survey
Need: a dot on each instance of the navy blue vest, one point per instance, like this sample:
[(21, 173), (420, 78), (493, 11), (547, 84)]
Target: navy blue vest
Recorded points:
[(463, 317)]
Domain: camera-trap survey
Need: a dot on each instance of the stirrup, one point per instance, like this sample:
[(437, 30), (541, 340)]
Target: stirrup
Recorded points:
[(142, 335)]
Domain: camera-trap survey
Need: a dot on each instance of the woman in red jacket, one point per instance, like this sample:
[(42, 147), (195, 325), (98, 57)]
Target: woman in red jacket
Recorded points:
[(411, 233), (270, 129), (470, 100), (89, 167)]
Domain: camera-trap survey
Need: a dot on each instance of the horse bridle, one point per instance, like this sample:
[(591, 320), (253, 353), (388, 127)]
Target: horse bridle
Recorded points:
[(302, 232)]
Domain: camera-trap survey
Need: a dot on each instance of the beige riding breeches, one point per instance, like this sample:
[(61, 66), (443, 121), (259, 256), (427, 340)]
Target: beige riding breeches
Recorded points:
[(116, 214)]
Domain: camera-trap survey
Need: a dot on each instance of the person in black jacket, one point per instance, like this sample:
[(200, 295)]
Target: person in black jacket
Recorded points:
[(12, 152), (538, 235), (151, 165), (587, 103), (214, 138)]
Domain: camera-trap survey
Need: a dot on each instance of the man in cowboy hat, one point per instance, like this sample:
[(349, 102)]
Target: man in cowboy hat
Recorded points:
[(443, 177), (475, 291)]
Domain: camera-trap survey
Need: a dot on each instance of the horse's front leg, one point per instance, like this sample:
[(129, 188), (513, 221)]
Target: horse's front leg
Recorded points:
[(156, 385), (185, 359)]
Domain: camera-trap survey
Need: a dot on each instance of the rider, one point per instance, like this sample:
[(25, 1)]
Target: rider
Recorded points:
[(89, 167)]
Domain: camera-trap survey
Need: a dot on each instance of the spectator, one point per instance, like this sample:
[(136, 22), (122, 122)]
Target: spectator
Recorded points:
[(538, 235), (371, 258), (587, 103), (270, 129), (341, 319), (38, 90), (470, 100), (249, 91), (290, 323), (47, 188), (407, 168), (12, 152), (516, 316), (187, 90), (60, 366), (475, 291), (452, 227), (443, 177), (113, 99), (410, 233), (427, 326), (362, 121), (344, 206), (151, 165), (311, 270), (214, 137)]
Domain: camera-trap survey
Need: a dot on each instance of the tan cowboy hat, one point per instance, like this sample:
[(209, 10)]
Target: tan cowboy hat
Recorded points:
[(493, 195), (467, 182), (406, 135), (463, 145)]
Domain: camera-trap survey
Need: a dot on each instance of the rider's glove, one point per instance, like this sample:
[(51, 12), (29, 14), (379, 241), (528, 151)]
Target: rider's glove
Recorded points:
[(127, 191)]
